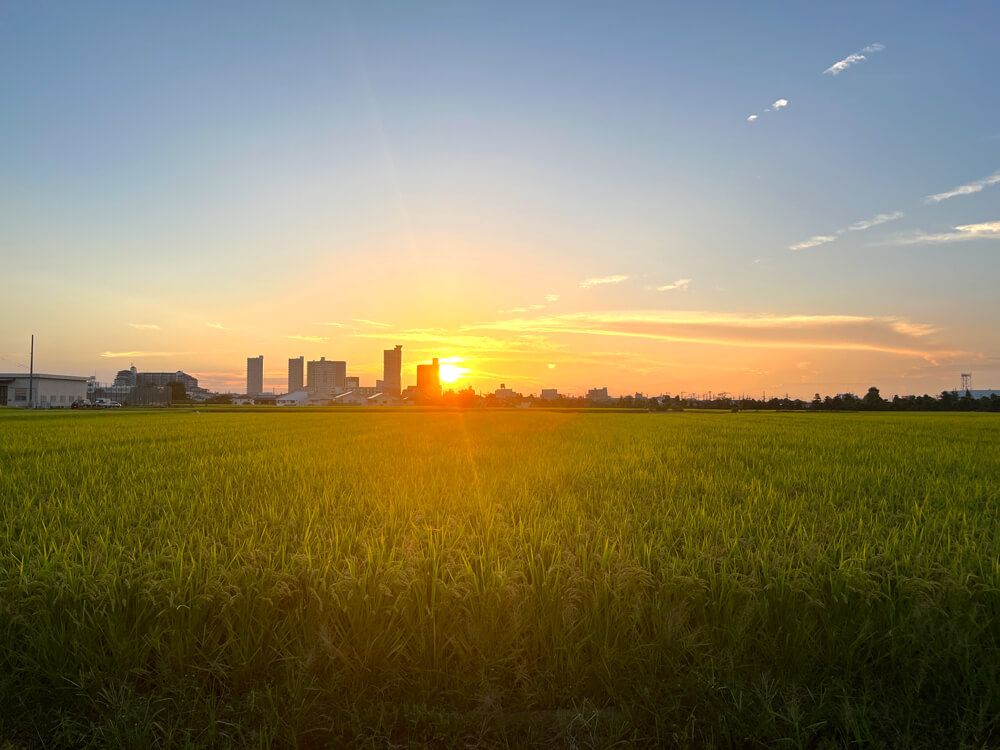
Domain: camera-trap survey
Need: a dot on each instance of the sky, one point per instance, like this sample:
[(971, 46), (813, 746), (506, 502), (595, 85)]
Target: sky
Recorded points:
[(656, 197)]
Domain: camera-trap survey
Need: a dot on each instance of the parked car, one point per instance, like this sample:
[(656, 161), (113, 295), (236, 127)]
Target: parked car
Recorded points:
[(81, 403), (106, 403)]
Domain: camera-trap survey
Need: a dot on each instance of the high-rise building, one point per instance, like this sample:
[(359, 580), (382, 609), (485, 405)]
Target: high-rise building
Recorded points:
[(323, 376), (295, 372), (255, 375), (392, 377), (429, 379)]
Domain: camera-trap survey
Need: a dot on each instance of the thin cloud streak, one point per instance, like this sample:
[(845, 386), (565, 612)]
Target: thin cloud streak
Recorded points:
[(815, 241), (969, 189), (679, 284), (853, 59), (822, 239), (831, 332), (375, 323), (137, 354), (218, 326), (873, 222), (617, 279), (989, 230), (551, 297), (145, 326)]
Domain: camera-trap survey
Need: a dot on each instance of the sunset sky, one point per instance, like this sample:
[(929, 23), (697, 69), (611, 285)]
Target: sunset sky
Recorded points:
[(652, 197)]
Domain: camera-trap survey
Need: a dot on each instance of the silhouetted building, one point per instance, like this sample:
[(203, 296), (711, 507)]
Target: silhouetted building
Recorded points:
[(429, 379), (550, 393), (255, 376), (296, 368), (504, 393), (352, 381), (392, 369), (189, 382), (598, 394), (126, 377), (323, 376)]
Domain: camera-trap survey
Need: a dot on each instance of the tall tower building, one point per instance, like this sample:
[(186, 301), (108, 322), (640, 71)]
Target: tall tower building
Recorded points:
[(429, 379), (323, 376), (295, 372), (392, 370), (255, 375)]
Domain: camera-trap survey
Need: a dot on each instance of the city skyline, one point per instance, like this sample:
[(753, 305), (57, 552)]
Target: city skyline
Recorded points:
[(559, 196)]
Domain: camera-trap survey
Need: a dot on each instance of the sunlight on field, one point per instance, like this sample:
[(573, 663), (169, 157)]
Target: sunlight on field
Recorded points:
[(240, 578)]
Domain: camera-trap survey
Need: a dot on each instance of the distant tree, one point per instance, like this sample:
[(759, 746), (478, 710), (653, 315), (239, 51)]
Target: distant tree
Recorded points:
[(873, 399)]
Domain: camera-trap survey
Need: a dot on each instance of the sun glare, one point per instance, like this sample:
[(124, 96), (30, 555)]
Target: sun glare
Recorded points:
[(451, 373)]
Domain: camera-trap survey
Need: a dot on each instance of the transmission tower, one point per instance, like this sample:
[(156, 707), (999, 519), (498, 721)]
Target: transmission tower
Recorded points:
[(966, 382)]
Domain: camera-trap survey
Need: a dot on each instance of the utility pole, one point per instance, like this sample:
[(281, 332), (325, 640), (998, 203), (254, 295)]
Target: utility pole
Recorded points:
[(31, 375)]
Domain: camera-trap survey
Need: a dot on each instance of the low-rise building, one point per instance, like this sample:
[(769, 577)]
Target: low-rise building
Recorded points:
[(41, 391), (298, 398)]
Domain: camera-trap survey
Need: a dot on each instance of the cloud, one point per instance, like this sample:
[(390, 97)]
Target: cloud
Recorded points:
[(972, 187), (335, 325), (822, 239), (310, 339), (814, 241), (617, 279), (551, 297), (145, 326), (853, 59), (137, 354), (890, 335), (679, 284), (218, 326), (375, 323), (777, 106), (989, 230), (872, 222)]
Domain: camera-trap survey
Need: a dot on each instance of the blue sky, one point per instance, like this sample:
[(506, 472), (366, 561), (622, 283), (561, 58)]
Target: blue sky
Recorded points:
[(270, 169)]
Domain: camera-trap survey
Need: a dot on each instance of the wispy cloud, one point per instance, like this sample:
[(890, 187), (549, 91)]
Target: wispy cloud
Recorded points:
[(822, 239), (751, 118), (617, 279), (137, 354), (375, 323), (989, 230), (872, 222), (814, 241), (890, 335), (853, 59), (679, 284), (335, 325), (218, 326), (145, 326), (551, 297), (969, 189), (310, 339)]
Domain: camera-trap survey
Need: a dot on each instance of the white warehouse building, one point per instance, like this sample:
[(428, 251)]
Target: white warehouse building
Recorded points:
[(41, 391)]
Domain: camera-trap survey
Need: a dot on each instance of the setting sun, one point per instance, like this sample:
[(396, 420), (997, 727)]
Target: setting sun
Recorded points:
[(451, 373)]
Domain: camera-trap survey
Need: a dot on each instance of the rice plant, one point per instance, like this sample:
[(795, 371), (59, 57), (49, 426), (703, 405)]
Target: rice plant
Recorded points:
[(334, 578)]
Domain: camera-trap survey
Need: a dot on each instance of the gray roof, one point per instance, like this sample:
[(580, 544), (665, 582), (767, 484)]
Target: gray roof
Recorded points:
[(40, 375)]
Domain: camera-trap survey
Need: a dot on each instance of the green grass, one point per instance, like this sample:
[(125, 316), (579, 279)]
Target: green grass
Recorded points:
[(271, 578)]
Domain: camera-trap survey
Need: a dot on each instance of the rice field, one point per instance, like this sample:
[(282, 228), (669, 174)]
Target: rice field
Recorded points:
[(278, 578)]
